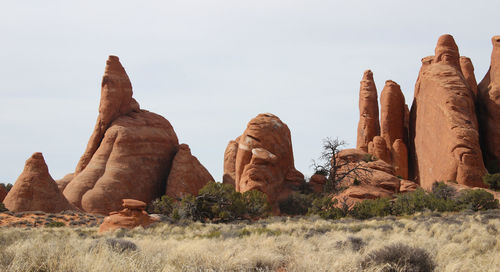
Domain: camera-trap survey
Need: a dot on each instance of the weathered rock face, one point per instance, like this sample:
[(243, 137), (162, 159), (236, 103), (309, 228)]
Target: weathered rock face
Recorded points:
[(377, 180), (3, 193), (229, 176), (380, 149), (408, 186), (317, 182), (129, 154), (468, 72), (392, 113), (62, 183), (444, 128), (35, 190), (187, 176), (132, 215), (264, 159), (368, 126), (400, 158), (489, 110)]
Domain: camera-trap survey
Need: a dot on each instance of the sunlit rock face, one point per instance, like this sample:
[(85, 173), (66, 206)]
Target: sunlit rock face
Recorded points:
[(129, 154), (368, 126), (264, 159), (443, 124), (489, 110)]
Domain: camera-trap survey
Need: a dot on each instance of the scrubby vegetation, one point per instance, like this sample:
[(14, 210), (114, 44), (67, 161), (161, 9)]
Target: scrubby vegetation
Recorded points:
[(216, 202), (463, 241), (493, 181), (2, 207)]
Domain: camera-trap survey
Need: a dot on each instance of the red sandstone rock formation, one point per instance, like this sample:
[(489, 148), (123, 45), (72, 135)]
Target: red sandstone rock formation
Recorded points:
[(3, 193), (468, 72), (230, 162), (400, 158), (317, 182), (380, 149), (368, 126), (133, 215), (377, 181), (444, 129), (408, 186), (35, 190), (489, 109), (62, 183), (392, 113), (187, 176), (264, 159), (129, 154)]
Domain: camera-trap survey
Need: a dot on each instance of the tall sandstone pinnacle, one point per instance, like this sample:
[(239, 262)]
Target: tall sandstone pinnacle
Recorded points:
[(489, 109), (468, 72), (35, 190), (368, 126), (264, 159), (393, 125), (392, 113), (443, 124), (129, 154)]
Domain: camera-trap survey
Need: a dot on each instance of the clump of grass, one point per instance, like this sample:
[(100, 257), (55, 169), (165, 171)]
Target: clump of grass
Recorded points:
[(400, 257)]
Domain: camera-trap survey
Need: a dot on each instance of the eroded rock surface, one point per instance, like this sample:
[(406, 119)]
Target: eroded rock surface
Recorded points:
[(444, 127), (392, 113), (264, 159), (489, 110), (132, 215), (229, 176), (368, 126), (129, 154), (187, 176), (3, 193), (35, 190)]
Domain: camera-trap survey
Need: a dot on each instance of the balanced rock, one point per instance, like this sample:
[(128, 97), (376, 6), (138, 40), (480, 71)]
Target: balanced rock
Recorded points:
[(264, 159), (35, 190), (489, 109), (392, 113), (368, 126), (132, 215), (444, 127), (129, 154), (188, 175)]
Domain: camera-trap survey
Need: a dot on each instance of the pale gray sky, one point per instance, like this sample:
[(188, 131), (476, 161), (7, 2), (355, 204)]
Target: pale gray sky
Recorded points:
[(211, 66)]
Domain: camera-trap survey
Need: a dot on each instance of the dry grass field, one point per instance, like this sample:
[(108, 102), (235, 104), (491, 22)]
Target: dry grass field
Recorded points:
[(463, 241)]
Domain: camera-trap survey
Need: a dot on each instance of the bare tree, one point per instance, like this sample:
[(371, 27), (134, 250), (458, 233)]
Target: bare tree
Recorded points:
[(336, 170)]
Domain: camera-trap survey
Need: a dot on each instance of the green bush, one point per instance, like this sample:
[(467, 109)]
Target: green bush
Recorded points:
[(441, 190), (296, 204), (419, 200), (477, 200), (163, 205), (325, 208), (55, 224), (186, 209), (371, 208), (2, 207), (493, 181), (256, 203)]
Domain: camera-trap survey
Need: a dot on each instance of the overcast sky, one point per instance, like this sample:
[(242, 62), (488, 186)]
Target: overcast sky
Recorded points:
[(211, 66)]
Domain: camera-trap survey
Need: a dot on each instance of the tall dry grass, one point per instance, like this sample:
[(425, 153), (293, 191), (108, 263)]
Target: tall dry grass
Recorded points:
[(456, 242)]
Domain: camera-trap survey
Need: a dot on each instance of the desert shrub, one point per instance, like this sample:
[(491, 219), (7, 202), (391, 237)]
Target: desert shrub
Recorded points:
[(256, 204), (493, 181), (296, 204), (371, 208), (163, 205), (115, 244), (325, 208), (219, 202), (6, 186), (441, 190), (55, 224), (352, 242), (186, 208), (419, 200), (476, 200), (2, 208), (400, 257)]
